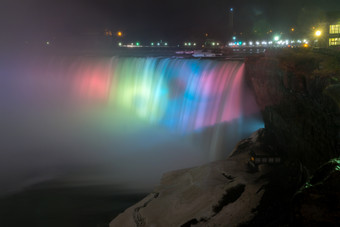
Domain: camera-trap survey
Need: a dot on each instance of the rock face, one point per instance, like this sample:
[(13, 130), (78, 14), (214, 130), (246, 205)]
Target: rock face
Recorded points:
[(318, 202), (300, 106), (223, 193)]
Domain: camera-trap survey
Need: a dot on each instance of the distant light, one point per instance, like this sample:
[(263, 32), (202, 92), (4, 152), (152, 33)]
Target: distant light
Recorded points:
[(304, 40), (264, 43), (292, 29), (240, 43), (189, 44), (194, 44), (213, 44), (158, 44), (152, 44), (185, 44), (231, 44), (165, 44), (137, 44), (299, 41), (217, 44), (276, 38), (231, 9), (119, 44), (119, 34), (48, 43), (234, 37), (270, 42), (257, 43), (250, 43), (318, 33), (305, 45)]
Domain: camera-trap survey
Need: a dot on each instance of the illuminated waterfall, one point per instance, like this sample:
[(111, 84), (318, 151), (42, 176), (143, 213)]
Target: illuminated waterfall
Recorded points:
[(179, 94), (112, 118)]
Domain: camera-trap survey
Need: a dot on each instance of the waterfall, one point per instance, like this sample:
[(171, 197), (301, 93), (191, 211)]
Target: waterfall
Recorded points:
[(121, 114), (182, 95)]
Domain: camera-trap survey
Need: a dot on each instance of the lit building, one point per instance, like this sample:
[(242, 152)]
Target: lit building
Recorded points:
[(334, 29)]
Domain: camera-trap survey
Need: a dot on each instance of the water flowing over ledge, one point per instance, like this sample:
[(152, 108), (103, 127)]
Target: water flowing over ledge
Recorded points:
[(112, 111)]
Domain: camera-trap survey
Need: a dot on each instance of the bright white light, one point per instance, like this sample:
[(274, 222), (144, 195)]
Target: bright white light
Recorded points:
[(213, 44), (48, 43), (119, 44), (185, 44), (158, 44), (231, 44), (244, 44), (189, 44), (257, 43), (217, 44), (264, 43), (318, 33), (292, 41), (279, 42), (250, 43), (299, 41), (270, 42), (276, 38), (165, 44), (304, 40), (194, 44), (234, 37)]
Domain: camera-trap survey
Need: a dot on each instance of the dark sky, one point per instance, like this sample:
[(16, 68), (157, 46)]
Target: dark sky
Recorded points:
[(147, 19)]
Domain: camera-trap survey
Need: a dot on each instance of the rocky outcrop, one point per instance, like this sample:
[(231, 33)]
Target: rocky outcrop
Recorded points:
[(223, 193), (299, 104)]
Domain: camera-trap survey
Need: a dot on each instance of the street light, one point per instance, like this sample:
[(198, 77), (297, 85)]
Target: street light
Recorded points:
[(318, 33)]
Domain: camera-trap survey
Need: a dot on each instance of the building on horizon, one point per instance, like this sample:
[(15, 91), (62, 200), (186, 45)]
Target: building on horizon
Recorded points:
[(334, 29)]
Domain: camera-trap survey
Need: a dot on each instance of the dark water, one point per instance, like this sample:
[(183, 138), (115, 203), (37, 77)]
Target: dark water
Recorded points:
[(54, 205)]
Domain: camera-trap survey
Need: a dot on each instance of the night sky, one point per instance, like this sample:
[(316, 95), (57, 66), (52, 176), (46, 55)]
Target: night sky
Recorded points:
[(146, 20)]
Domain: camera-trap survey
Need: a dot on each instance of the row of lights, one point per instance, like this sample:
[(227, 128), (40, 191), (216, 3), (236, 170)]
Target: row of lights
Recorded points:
[(138, 44), (265, 43)]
